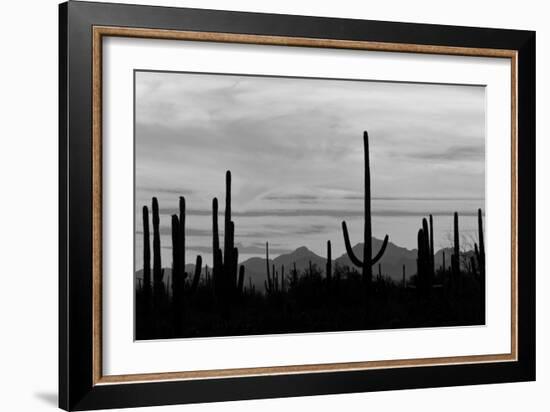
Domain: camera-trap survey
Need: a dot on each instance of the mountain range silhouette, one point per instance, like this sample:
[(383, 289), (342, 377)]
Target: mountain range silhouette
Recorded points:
[(391, 263)]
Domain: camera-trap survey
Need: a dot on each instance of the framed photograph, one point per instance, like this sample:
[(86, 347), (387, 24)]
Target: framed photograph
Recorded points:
[(256, 205)]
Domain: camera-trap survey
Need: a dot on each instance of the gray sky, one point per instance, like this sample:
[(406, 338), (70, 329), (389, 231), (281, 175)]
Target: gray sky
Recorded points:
[(294, 147)]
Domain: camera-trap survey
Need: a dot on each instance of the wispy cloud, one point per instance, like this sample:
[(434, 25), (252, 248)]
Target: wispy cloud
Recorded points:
[(294, 147)]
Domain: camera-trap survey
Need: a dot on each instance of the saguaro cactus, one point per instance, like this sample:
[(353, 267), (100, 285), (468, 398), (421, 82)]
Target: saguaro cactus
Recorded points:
[(368, 261), (197, 275), (178, 256), (455, 257), (158, 272), (146, 254), (178, 276), (225, 265), (216, 252), (432, 257), (480, 252), (329, 262), (423, 260), (181, 235), (428, 265)]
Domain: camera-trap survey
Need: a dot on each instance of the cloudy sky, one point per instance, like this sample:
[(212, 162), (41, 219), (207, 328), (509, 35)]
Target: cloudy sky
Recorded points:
[(294, 147)]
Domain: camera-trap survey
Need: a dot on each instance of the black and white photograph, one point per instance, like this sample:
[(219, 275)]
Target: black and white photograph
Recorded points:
[(272, 205)]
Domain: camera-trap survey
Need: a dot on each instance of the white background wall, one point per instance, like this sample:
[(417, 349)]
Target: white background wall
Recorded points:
[(28, 208)]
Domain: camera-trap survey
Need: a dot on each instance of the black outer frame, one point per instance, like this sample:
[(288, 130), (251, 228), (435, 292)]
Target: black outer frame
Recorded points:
[(76, 389)]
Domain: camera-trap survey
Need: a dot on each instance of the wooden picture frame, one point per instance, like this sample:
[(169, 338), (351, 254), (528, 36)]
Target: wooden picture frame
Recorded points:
[(82, 384)]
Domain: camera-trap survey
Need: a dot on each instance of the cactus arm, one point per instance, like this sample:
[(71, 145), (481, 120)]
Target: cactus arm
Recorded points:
[(381, 252), (349, 250)]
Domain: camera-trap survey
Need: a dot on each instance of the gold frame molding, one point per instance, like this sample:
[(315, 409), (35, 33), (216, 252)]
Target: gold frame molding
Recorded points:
[(102, 31)]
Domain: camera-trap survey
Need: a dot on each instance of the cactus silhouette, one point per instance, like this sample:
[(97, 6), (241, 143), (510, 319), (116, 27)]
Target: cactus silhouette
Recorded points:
[(329, 262), (216, 252), (181, 235), (225, 271), (480, 252), (432, 259), (423, 261), (368, 261), (428, 265), (146, 255), (197, 275), (178, 275), (220, 303), (480, 255), (455, 257), (158, 272)]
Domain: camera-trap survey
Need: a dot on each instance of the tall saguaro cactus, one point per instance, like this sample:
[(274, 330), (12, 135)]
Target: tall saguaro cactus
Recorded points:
[(329, 262), (480, 252), (455, 257), (424, 259), (226, 271), (216, 251), (146, 254), (269, 281), (428, 239), (432, 257), (178, 276), (181, 234), (368, 261), (157, 264)]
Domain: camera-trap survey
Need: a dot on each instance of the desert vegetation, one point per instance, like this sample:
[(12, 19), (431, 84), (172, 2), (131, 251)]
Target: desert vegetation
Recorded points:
[(218, 300)]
